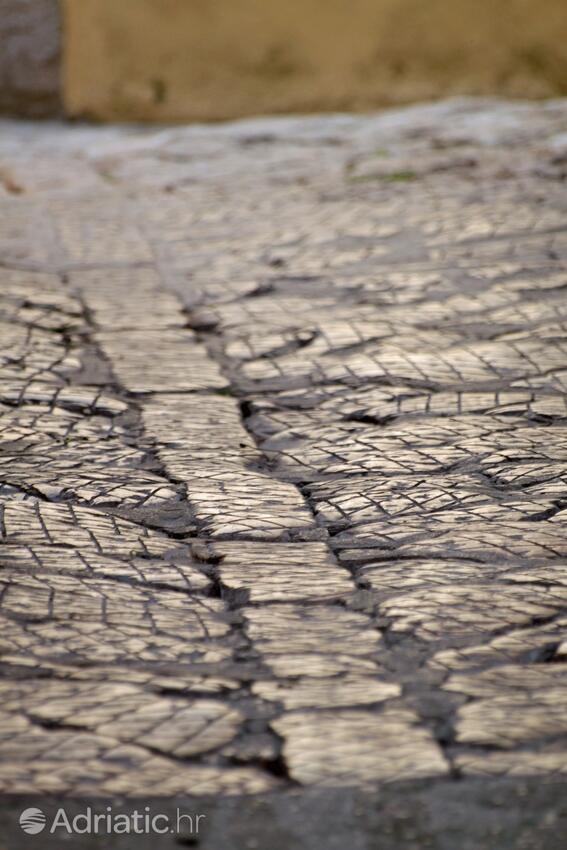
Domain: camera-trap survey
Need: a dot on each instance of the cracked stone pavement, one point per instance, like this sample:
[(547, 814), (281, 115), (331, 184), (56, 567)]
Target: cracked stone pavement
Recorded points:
[(283, 469)]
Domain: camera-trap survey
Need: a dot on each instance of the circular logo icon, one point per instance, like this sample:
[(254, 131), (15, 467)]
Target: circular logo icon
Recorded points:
[(33, 821)]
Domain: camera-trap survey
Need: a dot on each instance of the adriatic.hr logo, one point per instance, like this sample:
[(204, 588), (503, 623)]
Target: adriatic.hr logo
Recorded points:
[(33, 821), (138, 822)]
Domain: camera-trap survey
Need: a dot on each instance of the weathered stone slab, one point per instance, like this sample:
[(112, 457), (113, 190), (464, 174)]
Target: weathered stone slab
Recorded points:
[(469, 610), (345, 748), (260, 573), (177, 362), (339, 692)]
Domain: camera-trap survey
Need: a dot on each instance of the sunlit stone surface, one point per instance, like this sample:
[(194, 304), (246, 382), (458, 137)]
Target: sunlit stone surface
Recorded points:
[(283, 468)]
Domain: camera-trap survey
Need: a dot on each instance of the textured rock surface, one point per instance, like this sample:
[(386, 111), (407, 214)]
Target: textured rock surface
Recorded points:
[(283, 454)]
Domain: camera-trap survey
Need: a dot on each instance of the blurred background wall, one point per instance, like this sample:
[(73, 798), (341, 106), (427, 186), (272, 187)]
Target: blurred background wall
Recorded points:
[(178, 60), (30, 48)]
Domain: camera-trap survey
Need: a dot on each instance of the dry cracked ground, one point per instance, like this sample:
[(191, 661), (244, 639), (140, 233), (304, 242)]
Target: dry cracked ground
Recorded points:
[(284, 462)]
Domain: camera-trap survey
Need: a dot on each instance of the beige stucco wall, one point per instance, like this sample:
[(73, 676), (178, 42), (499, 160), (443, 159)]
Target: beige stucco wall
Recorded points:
[(208, 59)]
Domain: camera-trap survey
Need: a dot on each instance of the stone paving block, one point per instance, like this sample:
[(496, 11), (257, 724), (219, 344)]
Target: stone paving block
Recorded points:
[(36, 298), (471, 609), (258, 573), (292, 629), (84, 764), (80, 528), (196, 424), (457, 367), (238, 502), (202, 442), (85, 399), (514, 713), (88, 236), (339, 692), (179, 571), (358, 500), (539, 641), (62, 455), (176, 727), (547, 765), (177, 363), (391, 577), (126, 299), (32, 354), (345, 748), (489, 541)]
